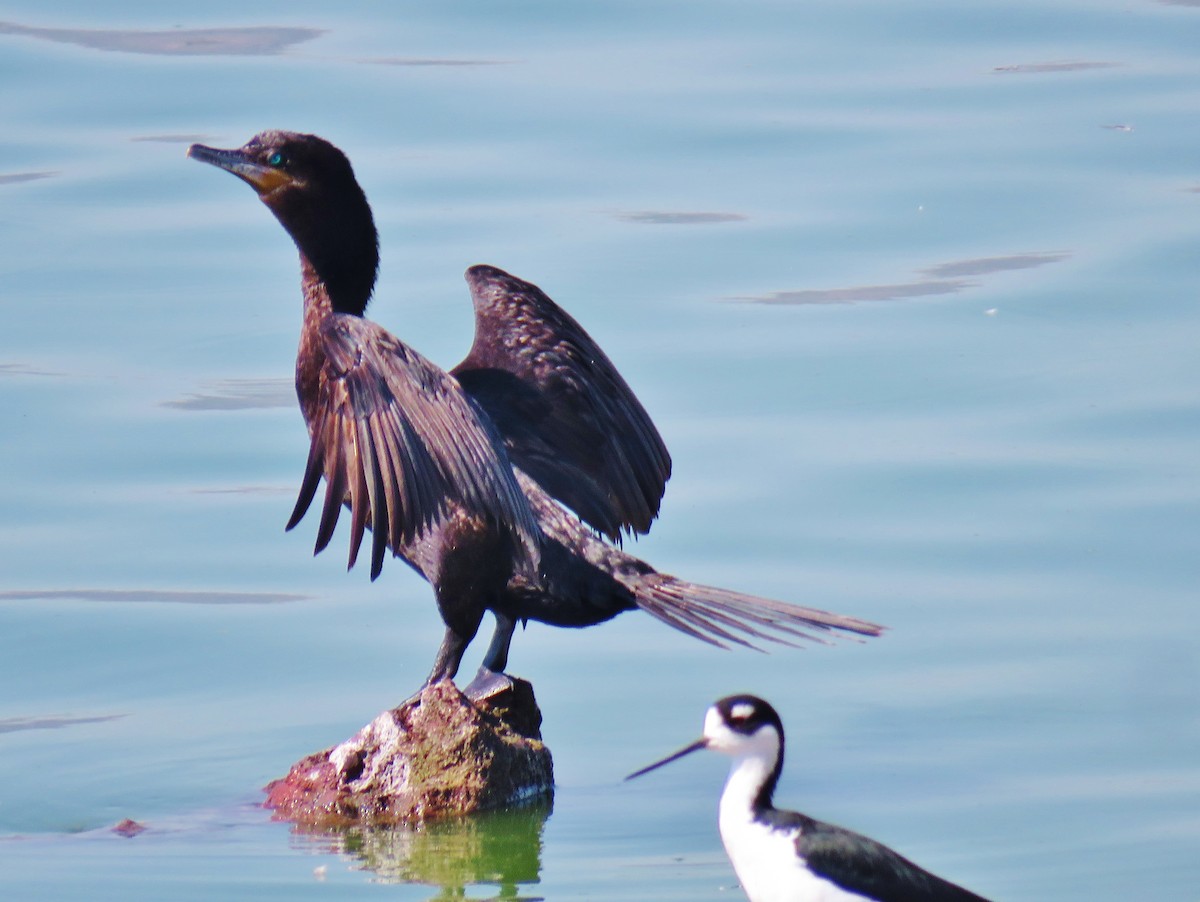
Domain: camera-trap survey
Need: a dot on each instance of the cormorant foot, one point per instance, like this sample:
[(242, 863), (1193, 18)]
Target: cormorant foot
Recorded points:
[(487, 683)]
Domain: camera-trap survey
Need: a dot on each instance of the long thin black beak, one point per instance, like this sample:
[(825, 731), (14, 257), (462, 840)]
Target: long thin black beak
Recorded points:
[(686, 750)]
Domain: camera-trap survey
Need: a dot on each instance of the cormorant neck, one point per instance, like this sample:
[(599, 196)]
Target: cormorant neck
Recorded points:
[(317, 301), (339, 247), (345, 284)]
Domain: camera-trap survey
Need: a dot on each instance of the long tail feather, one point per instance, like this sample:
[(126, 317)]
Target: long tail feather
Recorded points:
[(720, 616)]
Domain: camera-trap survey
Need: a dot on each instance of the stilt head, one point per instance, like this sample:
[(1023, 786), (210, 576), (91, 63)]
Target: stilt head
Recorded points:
[(742, 726)]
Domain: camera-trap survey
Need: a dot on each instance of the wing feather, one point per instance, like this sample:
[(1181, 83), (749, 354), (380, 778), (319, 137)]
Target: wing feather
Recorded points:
[(567, 417), (335, 483), (313, 469), (360, 498), (397, 440), (377, 492)]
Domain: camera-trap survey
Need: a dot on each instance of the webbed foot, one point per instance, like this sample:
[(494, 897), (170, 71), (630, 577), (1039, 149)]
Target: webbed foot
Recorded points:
[(487, 683)]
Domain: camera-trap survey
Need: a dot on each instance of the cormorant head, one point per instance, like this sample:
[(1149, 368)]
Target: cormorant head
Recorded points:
[(310, 187)]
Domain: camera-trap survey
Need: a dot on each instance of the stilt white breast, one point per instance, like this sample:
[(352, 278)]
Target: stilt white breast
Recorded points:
[(785, 856)]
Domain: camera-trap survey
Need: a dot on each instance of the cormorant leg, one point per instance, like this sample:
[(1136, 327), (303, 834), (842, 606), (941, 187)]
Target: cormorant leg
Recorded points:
[(491, 680), (496, 658), (474, 564), (449, 656)]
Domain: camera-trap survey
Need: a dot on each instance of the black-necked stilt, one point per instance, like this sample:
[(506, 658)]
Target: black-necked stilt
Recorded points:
[(784, 856)]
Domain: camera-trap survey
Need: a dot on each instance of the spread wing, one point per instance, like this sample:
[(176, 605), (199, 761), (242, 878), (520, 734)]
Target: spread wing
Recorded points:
[(397, 439), (567, 417)]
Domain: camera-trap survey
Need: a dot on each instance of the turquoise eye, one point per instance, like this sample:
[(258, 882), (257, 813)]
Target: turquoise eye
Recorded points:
[(275, 159)]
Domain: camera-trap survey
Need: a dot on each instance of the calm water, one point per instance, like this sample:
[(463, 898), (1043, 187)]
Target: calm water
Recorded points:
[(911, 289)]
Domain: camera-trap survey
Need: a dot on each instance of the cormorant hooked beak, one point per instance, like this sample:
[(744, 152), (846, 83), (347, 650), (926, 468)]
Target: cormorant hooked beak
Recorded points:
[(262, 178), (686, 750)]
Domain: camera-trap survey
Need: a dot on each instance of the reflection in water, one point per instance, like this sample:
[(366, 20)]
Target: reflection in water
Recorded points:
[(497, 848)]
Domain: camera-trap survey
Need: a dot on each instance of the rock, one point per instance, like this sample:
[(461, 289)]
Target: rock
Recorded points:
[(436, 755)]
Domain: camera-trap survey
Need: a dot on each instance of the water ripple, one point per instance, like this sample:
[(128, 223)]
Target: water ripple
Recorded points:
[(659, 217), (261, 40), (239, 394), (944, 278), (16, 178), (20, 724), (159, 596)]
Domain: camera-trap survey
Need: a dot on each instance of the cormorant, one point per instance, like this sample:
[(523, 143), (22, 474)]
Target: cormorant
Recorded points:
[(785, 856), (457, 472)]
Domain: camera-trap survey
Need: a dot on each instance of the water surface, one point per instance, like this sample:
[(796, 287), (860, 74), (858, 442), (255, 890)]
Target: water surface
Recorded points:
[(911, 290)]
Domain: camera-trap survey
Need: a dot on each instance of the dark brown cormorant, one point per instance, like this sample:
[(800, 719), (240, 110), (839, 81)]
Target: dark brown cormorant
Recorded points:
[(457, 472)]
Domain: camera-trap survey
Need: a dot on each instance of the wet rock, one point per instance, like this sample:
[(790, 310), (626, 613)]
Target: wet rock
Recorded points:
[(436, 755)]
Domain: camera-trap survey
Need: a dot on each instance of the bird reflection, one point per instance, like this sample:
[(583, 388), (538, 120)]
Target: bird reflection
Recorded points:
[(499, 848)]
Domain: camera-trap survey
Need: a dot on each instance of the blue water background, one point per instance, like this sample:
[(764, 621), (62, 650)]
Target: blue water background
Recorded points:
[(911, 290)]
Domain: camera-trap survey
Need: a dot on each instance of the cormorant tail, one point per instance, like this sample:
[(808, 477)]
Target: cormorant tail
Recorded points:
[(722, 617)]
